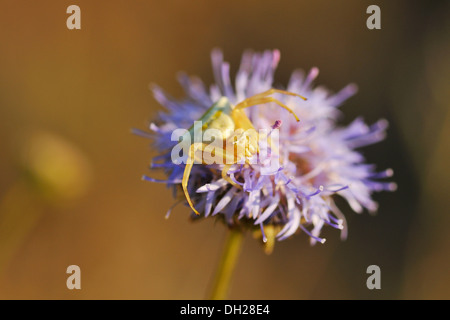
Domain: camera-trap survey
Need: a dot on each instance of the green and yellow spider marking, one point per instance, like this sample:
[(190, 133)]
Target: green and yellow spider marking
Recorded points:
[(233, 123)]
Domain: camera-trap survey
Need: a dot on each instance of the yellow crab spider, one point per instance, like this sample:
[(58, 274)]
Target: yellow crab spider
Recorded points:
[(230, 119)]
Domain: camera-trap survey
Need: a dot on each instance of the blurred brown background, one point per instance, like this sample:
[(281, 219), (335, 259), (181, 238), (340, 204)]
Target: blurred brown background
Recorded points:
[(76, 94)]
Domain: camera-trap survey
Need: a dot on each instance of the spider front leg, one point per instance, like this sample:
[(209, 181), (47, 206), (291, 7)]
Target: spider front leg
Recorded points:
[(255, 100), (272, 91), (228, 161), (262, 98), (187, 172)]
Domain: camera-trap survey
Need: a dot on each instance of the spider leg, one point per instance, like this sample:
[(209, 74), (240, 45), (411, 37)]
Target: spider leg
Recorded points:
[(228, 159), (253, 101), (187, 172), (272, 91), (226, 177)]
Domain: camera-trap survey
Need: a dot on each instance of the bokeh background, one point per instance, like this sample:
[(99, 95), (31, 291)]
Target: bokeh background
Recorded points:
[(70, 187)]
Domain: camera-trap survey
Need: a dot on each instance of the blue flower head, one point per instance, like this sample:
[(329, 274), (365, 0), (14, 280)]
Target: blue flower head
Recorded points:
[(316, 159)]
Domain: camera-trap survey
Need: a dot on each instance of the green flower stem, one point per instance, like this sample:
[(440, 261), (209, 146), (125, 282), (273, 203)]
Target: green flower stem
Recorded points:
[(227, 263)]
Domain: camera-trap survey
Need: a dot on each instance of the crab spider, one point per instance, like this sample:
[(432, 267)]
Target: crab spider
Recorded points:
[(233, 123)]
